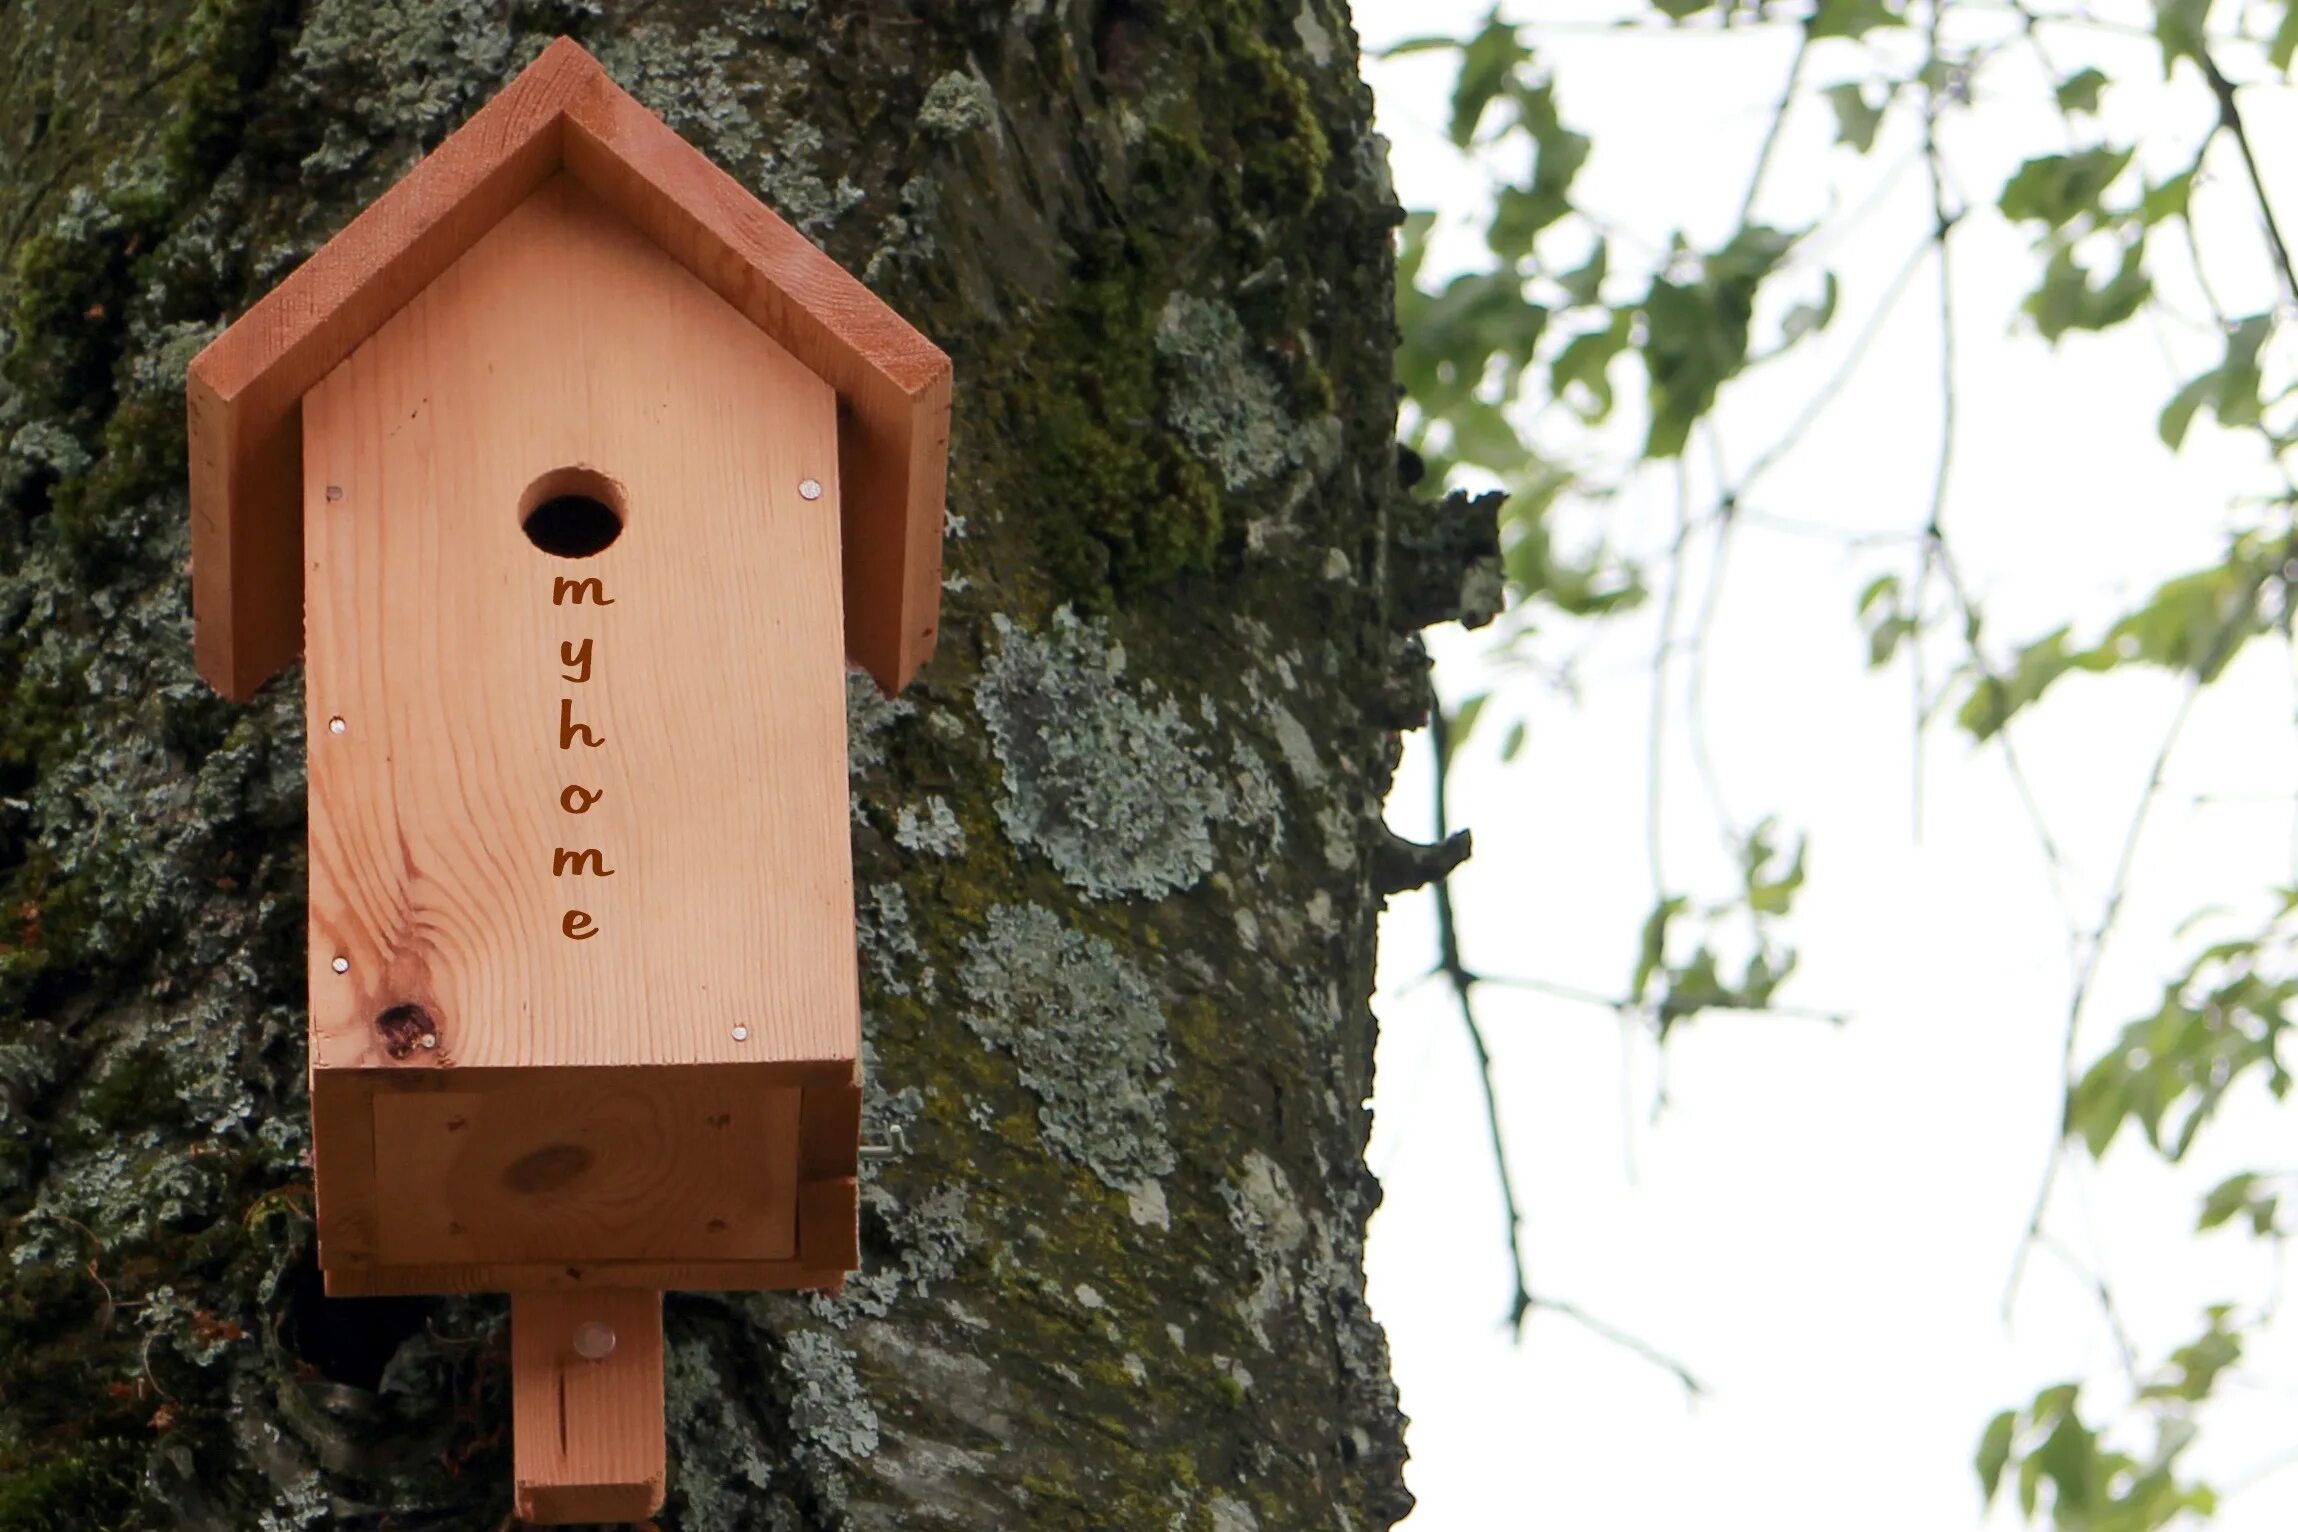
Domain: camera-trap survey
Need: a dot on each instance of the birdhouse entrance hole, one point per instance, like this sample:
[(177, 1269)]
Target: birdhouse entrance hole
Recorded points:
[(572, 513)]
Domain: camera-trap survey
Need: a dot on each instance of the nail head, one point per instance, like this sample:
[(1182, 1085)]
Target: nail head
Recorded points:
[(341, 965), (742, 1034), (810, 489), (336, 726), (594, 1340)]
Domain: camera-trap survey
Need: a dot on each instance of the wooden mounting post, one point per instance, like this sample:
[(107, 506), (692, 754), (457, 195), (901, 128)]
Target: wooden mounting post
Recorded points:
[(586, 1427)]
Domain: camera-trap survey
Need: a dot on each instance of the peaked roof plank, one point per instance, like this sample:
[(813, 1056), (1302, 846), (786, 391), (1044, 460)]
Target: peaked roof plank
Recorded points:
[(245, 391)]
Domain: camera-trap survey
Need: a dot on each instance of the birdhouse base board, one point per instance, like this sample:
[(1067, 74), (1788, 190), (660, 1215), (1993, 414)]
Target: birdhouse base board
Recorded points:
[(452, 1180)]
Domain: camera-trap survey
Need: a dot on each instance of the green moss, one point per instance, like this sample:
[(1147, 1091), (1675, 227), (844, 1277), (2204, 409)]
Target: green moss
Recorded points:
[(1118, 504), (1282, 150), (75, 1491)]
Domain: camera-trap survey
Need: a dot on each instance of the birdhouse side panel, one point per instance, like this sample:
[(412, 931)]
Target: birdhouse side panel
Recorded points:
[(578, 792)]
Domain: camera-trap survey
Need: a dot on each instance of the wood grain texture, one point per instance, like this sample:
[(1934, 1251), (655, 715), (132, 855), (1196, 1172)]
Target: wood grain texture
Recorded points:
[(721, 894), (244, 389), (895, 441), (586, 1434), (662, 1169)]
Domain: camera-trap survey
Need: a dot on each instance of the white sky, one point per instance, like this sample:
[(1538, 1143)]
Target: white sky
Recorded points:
[(1821, 1222)]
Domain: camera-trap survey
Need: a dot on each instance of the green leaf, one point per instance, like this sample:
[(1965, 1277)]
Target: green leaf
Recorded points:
[(1512, 743), (1696, 333), (2239, 1196), (2230, 389), (2179, 26), (1811, 318), (2058, 187), (1587, 360), (1853, 18), (2285, 39), (2168, 200), (2194, 622), (1996, 698), (2069, 299), (1855, 120), (2178, 415), (2080, 92), (1584, 284), (1464, 719), (1652, 949), (1486, 64), (1995, 1451)]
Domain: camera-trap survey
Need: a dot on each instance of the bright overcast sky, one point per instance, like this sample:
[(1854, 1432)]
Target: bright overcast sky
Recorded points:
[(1821, 1222)]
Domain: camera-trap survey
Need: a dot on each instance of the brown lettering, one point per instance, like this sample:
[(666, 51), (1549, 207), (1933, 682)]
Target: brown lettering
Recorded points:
[(577, 799), (564, 590), (575, 658), (568, 728), (577, 926), (564, 862)]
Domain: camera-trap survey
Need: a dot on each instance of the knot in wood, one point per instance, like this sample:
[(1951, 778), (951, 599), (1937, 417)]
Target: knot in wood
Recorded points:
[(405, 1028)]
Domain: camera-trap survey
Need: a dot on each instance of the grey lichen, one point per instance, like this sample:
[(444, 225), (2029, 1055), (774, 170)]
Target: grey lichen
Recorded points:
[(888, 944), (956, 104), (719, 1461), (404, 69), (1227, 408), (828, 1411), (685, 81), (1268, 1219), (1087, 1032), (936, 832), (1110, 786), (793, 183)]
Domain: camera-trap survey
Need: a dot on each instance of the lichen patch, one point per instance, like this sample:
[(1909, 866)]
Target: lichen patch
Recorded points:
[(1106, 780), (1088, 1035)]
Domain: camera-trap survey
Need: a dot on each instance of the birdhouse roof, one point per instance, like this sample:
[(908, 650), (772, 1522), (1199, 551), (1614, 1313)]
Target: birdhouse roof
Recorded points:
[(562, 113)]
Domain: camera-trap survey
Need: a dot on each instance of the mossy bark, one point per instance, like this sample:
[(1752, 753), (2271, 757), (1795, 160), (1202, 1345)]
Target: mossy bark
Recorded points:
[(1115, 851)]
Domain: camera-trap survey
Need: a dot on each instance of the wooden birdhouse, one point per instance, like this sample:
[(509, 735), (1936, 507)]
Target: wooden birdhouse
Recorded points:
[(577, 478)]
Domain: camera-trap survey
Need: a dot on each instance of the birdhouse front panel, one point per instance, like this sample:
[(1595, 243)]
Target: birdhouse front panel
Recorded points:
[(581, 933)]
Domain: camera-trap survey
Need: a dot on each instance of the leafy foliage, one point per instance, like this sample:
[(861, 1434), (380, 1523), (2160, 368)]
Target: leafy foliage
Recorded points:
[(1558, 331)]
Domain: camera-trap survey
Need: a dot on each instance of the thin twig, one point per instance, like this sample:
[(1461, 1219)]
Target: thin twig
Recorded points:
[(1778, 121), (1522, 1302), (2087, 970), (2230, 116), (1627, 1342), (1628, 1006), (1463, 988)]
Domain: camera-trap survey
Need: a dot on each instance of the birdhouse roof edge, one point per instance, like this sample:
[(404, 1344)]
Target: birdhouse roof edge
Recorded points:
[(561, 113)]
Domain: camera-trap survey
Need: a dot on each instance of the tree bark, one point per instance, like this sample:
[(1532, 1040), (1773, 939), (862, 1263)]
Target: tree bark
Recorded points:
[(1115, 852)]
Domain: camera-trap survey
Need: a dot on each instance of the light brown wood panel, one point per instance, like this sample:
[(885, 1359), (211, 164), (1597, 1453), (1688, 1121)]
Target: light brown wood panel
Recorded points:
[(586, 1431), (716, 684), (244, 389), (896, 437), (343, 1167), (670, 1169)]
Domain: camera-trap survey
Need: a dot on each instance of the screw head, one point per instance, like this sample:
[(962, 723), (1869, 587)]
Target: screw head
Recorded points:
[(742, 1034), (430, 1039), (341, 965), (594, 1340), (336, 726), (810, 489)]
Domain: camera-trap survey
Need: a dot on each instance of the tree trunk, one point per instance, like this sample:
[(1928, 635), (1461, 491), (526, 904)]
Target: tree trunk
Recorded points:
[(1119, 854)]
